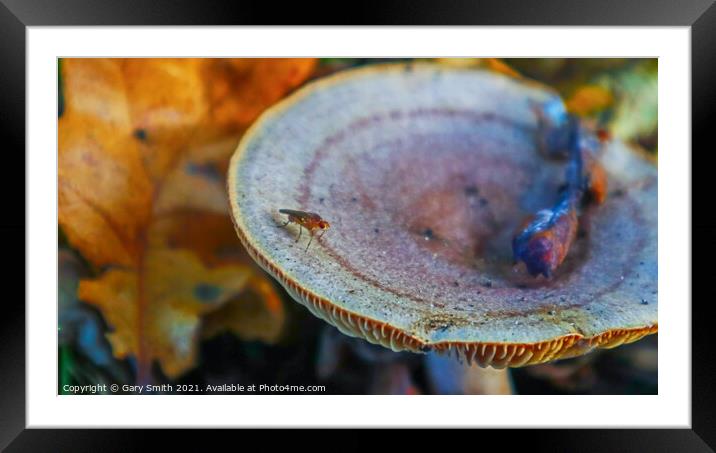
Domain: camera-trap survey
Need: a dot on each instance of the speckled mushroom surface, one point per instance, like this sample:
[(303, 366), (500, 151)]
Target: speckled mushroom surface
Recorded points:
[(424, 173)]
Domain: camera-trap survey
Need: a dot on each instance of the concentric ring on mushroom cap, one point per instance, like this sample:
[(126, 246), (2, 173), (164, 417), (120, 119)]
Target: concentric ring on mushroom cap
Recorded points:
[(424, 173)]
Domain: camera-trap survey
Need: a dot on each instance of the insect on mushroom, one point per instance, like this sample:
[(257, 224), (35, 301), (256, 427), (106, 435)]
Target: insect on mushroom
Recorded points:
[(308, 220)]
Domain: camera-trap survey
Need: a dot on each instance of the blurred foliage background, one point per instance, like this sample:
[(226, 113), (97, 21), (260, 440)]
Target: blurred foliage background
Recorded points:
[(154, 286)]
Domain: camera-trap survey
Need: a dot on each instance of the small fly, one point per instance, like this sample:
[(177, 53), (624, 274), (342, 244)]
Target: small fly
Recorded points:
[(308, 220)]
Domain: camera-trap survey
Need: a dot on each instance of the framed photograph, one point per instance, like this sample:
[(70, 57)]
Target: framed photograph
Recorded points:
[(301, 220)]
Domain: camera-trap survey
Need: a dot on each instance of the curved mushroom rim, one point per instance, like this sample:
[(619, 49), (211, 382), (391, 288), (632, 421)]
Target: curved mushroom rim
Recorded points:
[(497, 355)]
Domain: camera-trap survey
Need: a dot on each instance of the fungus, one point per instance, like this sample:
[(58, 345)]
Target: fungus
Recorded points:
[(409, 152)]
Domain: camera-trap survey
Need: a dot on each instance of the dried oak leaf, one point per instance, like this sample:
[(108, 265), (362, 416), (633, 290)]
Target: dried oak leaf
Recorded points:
[(155, 309), (258, 315), (143, 150), (104, 191)]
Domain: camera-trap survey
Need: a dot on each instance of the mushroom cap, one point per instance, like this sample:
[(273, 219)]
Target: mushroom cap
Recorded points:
[(425, 173)]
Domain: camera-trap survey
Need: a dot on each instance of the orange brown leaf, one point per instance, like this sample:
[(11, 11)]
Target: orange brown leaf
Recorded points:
[(104, 191), (492, 64), (257, 314), (155, 310), (589, 99), (143, 150)]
